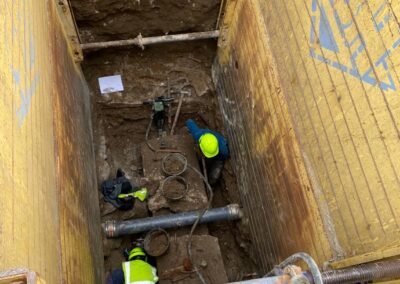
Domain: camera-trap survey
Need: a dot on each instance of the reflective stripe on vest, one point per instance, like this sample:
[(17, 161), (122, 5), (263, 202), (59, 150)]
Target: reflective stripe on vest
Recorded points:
[(139, 272)]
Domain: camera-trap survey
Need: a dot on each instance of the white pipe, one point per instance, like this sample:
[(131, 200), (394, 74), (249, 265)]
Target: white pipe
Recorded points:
[(143, 41)]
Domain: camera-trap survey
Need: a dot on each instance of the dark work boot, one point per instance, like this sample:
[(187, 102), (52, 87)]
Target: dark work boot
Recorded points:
[(120, 173), (214, 171)]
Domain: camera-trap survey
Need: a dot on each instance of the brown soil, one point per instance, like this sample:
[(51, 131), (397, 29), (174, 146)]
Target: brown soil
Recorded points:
[(174, 189), (120, 120), (111, 20), (173, 166), (174, 265), (158, 244)]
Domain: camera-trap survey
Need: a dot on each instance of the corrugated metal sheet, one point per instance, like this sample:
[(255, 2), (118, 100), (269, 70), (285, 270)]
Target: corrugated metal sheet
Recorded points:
[(49, 217), (309, 92)]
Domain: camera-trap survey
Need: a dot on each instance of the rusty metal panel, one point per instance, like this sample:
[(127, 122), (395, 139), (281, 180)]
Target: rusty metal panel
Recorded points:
[(309, 93), (48, 220)]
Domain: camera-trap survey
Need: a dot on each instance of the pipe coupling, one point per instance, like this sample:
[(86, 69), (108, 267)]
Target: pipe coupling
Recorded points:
[(235, 210), (109, 229)]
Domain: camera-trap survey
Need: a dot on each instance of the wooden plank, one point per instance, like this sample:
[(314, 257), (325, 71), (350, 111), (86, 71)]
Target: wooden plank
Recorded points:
[(44, 114)]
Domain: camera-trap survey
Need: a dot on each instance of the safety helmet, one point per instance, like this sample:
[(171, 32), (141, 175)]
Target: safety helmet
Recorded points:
[(136, 252), (209, 145)]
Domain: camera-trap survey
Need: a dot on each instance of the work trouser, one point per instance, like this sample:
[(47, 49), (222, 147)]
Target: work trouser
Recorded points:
[(214, 170), (116, 277)]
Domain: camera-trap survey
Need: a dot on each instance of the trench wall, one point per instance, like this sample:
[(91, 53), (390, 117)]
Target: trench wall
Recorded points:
[(49, 215), (309, 92)]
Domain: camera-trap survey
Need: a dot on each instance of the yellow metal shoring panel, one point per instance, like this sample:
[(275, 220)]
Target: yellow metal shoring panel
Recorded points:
[(338, 73), (29, 234), (282, 186), (343, 91), (34, 58)]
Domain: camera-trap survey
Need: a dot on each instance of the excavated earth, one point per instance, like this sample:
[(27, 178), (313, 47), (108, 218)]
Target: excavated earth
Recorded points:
[(120, 119), (100, 20)]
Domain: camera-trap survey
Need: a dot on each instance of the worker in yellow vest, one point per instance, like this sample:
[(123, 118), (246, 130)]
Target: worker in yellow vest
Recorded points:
[(136, 270)]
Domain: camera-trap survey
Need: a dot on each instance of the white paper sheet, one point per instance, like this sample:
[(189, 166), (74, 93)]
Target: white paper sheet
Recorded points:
[(111, 84)]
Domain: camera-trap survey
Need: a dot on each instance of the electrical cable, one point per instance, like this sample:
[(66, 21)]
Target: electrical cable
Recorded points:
[(147, 134), (189, 245)]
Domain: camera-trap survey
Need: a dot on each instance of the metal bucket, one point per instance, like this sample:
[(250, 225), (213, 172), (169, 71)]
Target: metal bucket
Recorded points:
[(156, 242), (177, 158)]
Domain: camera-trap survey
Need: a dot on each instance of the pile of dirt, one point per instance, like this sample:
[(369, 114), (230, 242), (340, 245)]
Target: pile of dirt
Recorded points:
[(157, 244), (174, 188)]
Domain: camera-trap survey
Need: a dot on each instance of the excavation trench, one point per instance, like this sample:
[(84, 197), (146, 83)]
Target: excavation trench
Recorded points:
[(119, 124)]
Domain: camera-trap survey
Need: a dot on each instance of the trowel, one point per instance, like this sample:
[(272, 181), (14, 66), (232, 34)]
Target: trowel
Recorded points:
[(141, 194)]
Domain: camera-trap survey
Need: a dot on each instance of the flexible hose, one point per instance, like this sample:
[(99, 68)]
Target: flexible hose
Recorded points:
[(147, 134), (189, 245), (316, 274)]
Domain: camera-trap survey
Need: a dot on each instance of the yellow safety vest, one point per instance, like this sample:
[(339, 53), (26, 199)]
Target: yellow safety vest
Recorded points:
[(139, 272)]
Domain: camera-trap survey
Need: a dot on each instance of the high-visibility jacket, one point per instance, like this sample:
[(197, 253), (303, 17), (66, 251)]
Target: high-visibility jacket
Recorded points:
[(139, 272)]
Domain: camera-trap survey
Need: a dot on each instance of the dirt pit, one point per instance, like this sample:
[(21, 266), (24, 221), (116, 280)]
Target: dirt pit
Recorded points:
[(120, 121), (174, 188), (156, 243), (174, 165)]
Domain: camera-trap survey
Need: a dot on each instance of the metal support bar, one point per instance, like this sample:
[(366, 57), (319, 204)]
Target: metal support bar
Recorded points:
[(114, 229), (143, 41), (363, 273)]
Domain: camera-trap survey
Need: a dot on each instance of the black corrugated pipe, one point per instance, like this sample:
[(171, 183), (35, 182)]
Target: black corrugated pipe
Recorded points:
[(114, 229), (363, 272)]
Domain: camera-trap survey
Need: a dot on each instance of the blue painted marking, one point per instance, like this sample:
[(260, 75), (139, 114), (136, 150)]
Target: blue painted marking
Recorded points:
[(353, 41), (312, 32), (26, 98), (339, 66), (314, 5), (342, 26), (356, 44), (396, 44), (326, 37), (379, 26), (382, 61), (26, 93), (16, 77), (359, 8)]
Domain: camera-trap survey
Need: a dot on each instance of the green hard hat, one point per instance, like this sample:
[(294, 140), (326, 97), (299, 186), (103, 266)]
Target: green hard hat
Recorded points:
[(136, 252), (209, 145)]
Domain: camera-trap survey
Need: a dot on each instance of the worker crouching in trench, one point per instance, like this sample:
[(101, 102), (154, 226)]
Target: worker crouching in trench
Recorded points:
[(213, 147), (135, 270)]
